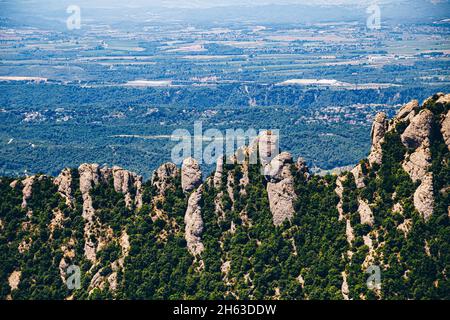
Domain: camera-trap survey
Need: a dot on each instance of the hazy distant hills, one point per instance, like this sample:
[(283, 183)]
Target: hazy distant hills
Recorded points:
[(52, 13)]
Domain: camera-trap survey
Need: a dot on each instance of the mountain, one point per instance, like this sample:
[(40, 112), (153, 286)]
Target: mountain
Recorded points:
[(241, 234)]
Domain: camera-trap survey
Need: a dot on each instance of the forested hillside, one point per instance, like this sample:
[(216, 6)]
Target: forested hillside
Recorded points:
[(238, 233)]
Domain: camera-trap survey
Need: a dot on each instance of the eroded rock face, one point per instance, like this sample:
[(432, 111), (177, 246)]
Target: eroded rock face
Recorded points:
[(268, 145), (379, 128), (280, 188), (443, 99), (349, 232), (96, 234), (163, 178), (14, 280), (445, 129), (64, 183), (405, 227), (279, 168), (27, 190), (359, 177), (218, 173), (191, 175), (423, 197), (68, 251), (99, 281), (123, 181), (340, 191), (57, 221), (398, 208), (245, 180), (365, 213), (344, 288), (194, 223), (418, 163), (406, 112), (418, 130), (281, 197), (89, 177)]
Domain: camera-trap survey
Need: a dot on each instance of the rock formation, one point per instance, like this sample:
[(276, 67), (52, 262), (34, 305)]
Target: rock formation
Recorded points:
[(418, 130), (405, 114), (191, 175), (218, 173), (163, 178), (89, 176), (424, 197), (27, 190), (123, 181), (233, 216), (194, 223), (379, 128), (280, 188), (445, 129), (267, 143), (405, 226), (340, 192), (418, 163), (407, 110), (358, 175), (14, 280), (365, 213), (64, 183), (416, 138)]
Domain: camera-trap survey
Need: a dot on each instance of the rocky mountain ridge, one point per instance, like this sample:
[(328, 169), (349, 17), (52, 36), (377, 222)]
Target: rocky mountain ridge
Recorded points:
[(402, 186)]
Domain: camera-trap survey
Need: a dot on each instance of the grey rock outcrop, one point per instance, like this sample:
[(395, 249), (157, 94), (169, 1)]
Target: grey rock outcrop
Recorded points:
[(365, 213), (349, 232), (379, 128), (280, 188), (64, 183), (14, 279), (191, 175), (344, 287), (418, 163), (443, 99), (405, 226), (279, 168), (163, 178), (418, 130), (194, 223), (423, 197), (267, 143), (89, 177), (339, 190), (445, 129), (359, 176), (27, 190), (123, 181), (218, 173), (407, 111)]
